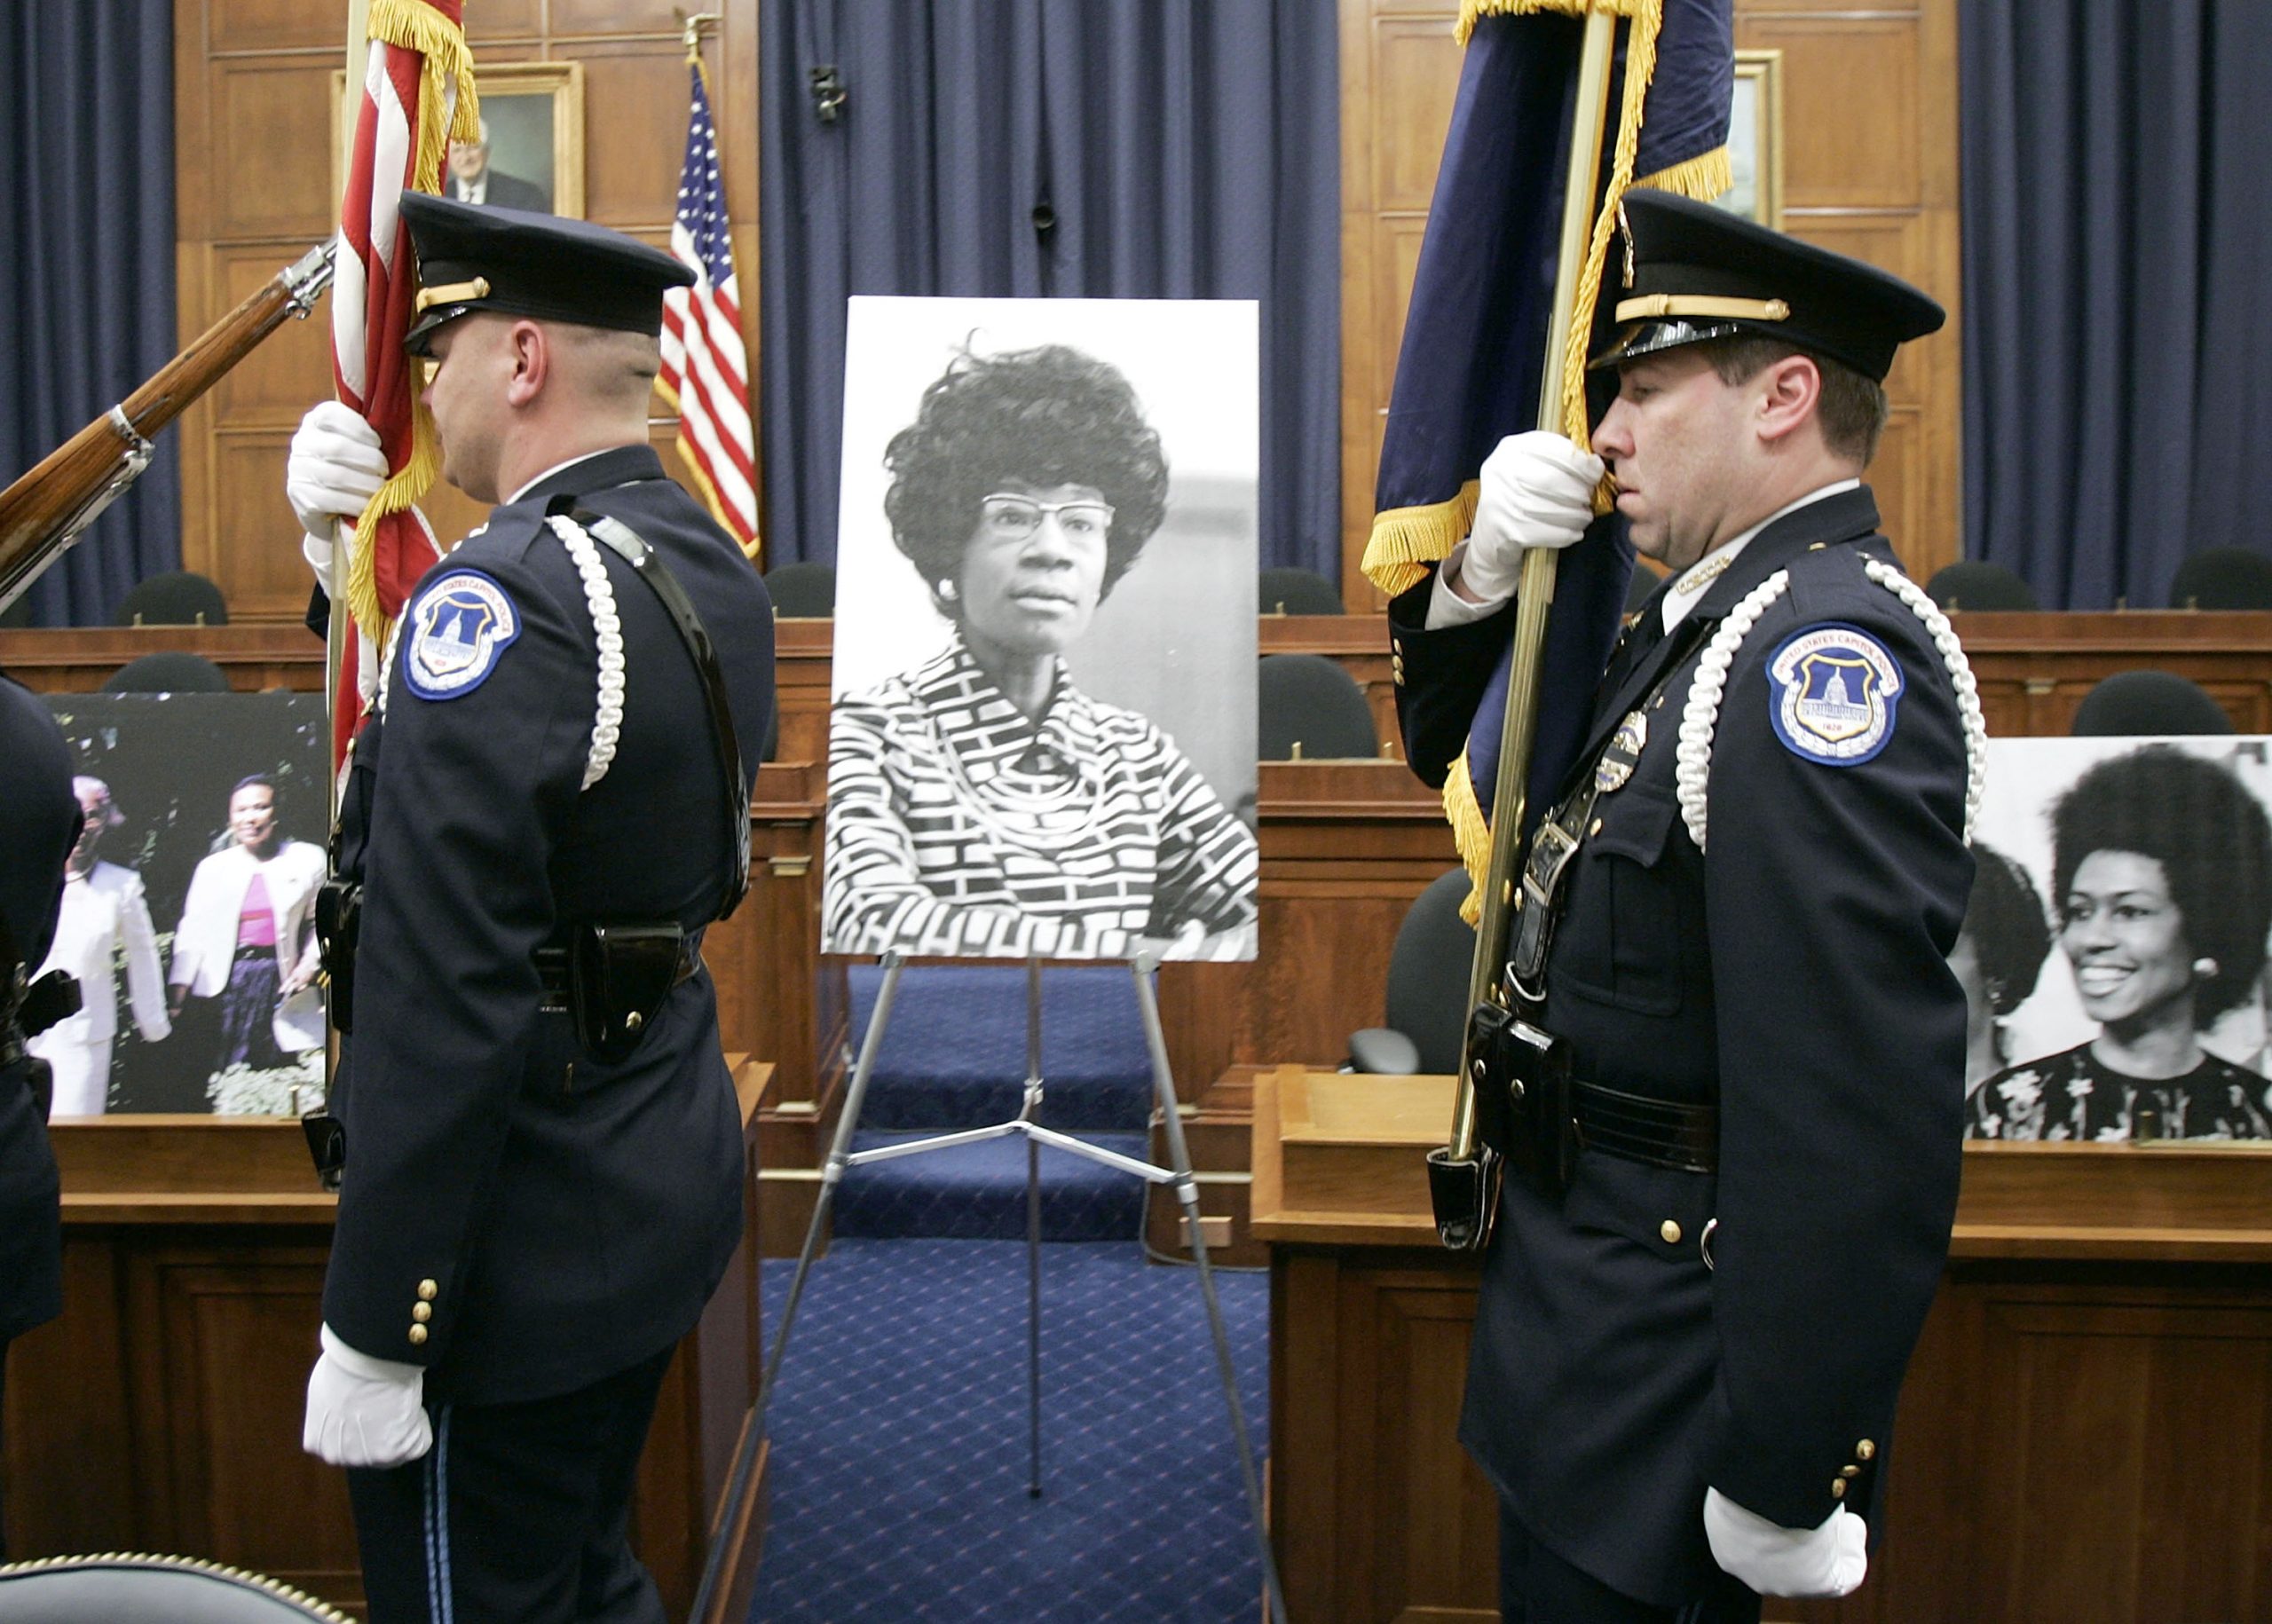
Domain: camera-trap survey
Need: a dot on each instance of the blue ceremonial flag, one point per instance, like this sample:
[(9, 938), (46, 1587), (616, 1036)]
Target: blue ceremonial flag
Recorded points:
[(1469, 371)]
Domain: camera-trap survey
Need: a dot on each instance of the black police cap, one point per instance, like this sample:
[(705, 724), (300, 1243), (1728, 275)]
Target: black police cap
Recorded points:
[(1692, 272), (518, 263)]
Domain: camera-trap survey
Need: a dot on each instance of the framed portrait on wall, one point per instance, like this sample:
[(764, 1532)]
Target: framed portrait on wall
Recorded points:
[(531, 153), (1755, 140)]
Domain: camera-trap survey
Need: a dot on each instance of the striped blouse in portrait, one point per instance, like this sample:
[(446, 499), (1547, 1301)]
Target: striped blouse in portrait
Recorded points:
[(956, 827)]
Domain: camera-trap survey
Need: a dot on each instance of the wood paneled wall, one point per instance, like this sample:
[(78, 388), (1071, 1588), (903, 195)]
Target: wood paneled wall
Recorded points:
[(1869, 168), (252, 157)]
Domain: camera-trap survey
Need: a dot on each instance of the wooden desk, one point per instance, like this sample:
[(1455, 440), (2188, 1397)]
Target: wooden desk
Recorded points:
[(2033, 668), (2085, 1434), (162, 1411), (255, 656)]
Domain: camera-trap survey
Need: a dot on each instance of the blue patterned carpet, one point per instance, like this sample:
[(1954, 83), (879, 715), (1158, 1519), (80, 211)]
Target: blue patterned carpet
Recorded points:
[(955, 1054), (900, 1439), (978, 1192)]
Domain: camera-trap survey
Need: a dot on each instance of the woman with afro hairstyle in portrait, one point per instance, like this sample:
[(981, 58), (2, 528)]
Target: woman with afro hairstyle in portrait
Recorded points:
[(982, 804)]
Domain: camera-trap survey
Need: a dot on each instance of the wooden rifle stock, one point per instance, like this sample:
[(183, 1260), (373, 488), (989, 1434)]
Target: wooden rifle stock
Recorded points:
[(42, 513)]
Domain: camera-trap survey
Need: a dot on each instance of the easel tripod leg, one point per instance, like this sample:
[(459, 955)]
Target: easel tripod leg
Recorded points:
[(831, 1174), (1187, 1192), (1031, 1111)]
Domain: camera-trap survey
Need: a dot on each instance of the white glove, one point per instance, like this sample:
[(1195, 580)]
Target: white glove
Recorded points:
[(1777, 1561), (335, 468), (1537, 489), (364, 1411)]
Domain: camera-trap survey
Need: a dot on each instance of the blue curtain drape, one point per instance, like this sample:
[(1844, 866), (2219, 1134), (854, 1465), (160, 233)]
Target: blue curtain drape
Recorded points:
[(2117, 244), (87, 268), (1179, 151)]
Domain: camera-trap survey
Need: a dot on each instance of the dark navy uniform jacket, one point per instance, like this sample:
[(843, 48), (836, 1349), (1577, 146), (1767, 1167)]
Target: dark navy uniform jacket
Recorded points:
[(516, 1216), (39, 824), (1794, 970)]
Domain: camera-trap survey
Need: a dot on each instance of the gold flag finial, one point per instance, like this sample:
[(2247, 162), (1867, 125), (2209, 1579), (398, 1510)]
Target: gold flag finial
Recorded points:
[(693, 25)]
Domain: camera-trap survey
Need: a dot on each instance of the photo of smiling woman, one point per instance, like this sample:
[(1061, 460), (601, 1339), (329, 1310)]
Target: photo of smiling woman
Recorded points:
[(982, 802), (2162, 888)]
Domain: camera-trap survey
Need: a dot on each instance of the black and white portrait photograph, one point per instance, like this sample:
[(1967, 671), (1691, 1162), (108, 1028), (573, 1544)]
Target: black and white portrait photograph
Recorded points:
[(189, 905), (2114, 947), (1041, 741)]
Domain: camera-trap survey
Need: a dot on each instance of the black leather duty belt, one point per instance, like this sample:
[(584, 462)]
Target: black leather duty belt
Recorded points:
[(1635, 1128), (552, 972)]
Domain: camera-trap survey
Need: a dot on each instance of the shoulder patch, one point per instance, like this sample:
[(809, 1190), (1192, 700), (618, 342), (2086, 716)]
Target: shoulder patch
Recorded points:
[(457, 631), (1831, 690)]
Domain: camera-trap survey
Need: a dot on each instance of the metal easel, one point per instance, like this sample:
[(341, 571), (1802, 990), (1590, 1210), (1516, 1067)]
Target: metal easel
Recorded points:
[(1026, 1124)]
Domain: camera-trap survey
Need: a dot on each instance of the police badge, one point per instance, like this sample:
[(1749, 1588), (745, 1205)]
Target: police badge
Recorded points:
[(1622, 753)]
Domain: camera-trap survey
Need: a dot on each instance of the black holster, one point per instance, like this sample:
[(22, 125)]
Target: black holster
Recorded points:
[(618, 977), (339, 918), (1522, 1097)]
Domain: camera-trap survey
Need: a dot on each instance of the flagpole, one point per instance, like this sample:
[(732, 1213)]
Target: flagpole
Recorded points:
[(335, 640), (1535, 595)]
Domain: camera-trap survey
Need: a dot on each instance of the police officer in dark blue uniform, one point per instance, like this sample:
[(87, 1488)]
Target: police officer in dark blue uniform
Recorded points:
[(39, 824), (542, 1151), (1706, 1282)]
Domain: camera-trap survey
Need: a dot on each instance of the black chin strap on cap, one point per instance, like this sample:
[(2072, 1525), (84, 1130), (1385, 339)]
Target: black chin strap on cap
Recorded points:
[(648, 564)]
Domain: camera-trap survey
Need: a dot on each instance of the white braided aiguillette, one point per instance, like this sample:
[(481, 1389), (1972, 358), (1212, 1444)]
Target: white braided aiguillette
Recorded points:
[(1701, 713), (1968, 691), (599, 594)]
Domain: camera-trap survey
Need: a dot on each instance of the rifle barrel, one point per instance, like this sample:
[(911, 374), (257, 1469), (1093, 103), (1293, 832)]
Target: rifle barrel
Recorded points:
[(42, 513)]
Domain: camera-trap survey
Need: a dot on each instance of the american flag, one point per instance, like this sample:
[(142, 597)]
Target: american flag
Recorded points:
[(706, 370), (417, 93)]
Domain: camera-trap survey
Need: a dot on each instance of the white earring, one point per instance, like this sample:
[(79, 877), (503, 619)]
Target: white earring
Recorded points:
[(947, 591), (2203, 969)]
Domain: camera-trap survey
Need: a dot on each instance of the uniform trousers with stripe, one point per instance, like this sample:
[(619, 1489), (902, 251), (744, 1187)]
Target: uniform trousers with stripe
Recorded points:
[(1537, 1587), (519, 1514)]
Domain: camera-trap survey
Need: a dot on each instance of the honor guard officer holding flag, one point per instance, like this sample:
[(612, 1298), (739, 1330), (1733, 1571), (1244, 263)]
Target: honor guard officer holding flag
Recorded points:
[(542, 1151), (1730, 1182)]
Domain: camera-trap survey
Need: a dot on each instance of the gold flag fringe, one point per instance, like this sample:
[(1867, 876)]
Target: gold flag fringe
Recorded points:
[(1470, 833), (1702, 178), (1406, 541), (449, 107)]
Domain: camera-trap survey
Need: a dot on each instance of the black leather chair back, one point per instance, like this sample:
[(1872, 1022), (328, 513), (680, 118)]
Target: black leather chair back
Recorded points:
[(2222, 578), (2131, 702), (1311, 708), (1299, 592), (169, 671), (1427, 972), (1976, 584), (805, 590), (179, 597)]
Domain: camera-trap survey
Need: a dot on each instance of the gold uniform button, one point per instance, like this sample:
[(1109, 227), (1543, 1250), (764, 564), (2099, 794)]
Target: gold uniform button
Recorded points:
[(417, 1335), (1670, 1231), (1863, 1450), (428, 1291), (1849, 1472), (1838, 1488), (1396, 645), (422, 1311)]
